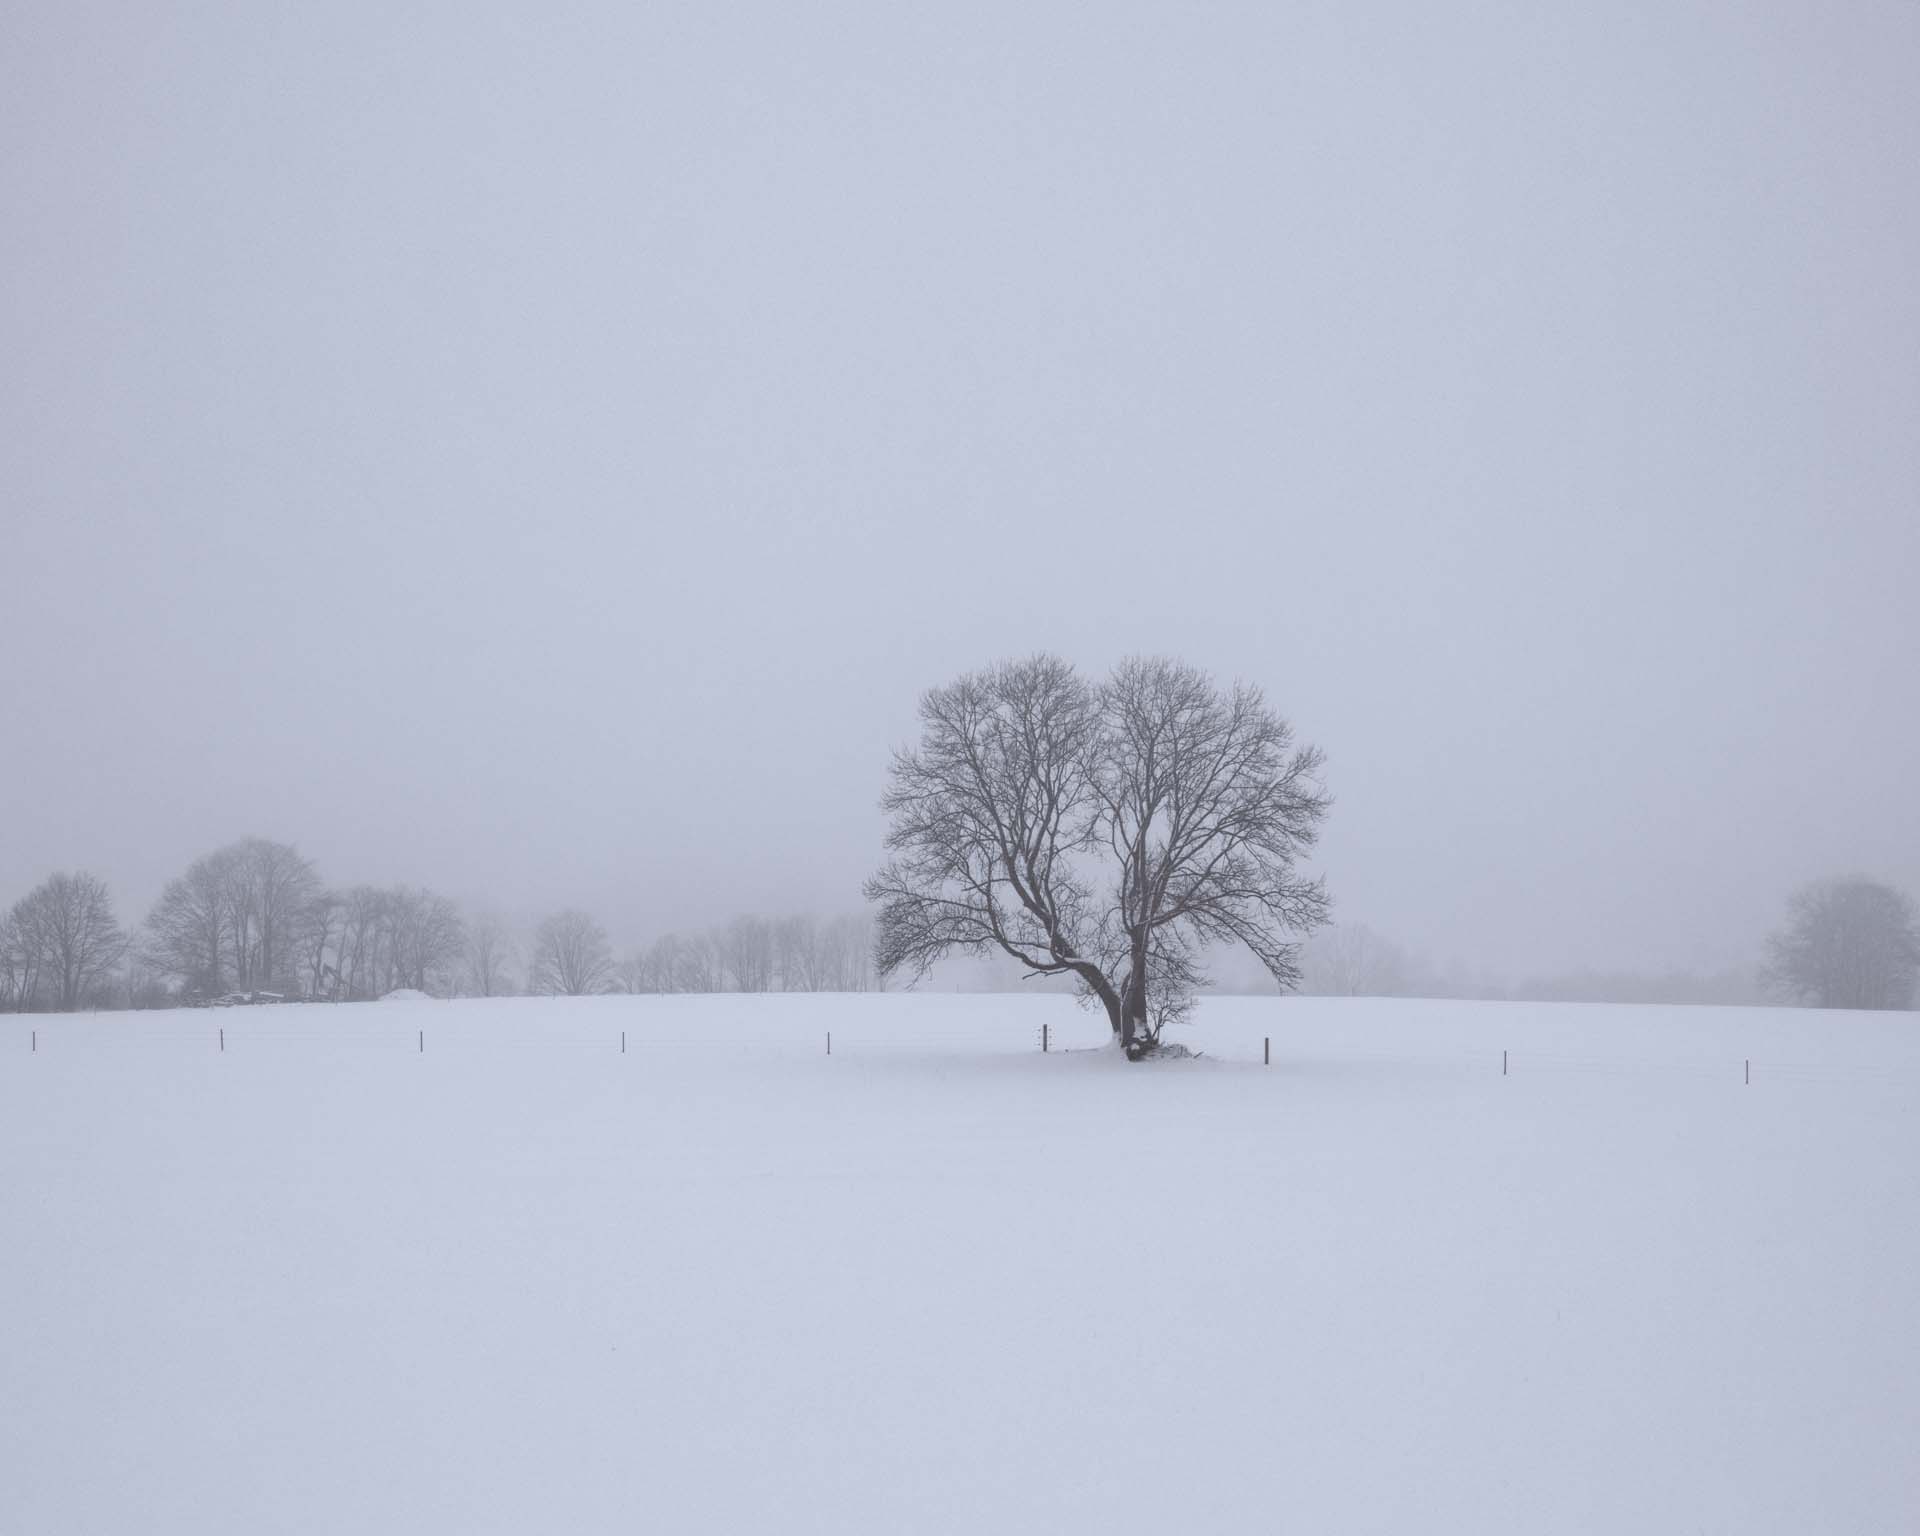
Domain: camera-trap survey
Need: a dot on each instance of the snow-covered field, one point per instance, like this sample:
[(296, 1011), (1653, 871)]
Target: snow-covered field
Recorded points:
[(522, 1282)]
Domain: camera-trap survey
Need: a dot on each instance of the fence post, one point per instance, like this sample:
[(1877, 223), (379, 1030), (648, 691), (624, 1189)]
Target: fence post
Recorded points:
[(423, 1042), (1749, 1072), (1043, 1037), (223, 1039), (1266, 1051), (829, 1042), (1503, 1063), (623, 1042), (36, 1039)]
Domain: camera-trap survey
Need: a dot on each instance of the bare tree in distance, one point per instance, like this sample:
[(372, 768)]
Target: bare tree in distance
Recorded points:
[(661, 972), (490, 951), (797, 952), (845, 955), (138, 984), (188, 932), (19, 961), (1848, 943), (67, 939), (570, 956), (322, 925), (428, 940), (278, 884), (361, 963), (1351, 960), (697, 966), (633, 973), (238, 917), (746, 953), (367, 941), (1103, 833)]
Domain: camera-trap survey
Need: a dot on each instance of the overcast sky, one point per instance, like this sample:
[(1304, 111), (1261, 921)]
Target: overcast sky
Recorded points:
[(542, 452)]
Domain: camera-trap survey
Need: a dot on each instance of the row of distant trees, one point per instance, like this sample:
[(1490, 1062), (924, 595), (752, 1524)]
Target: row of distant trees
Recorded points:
[(1846, 943), (255, 919), (1350, 959), (800, 953), (570, 956)]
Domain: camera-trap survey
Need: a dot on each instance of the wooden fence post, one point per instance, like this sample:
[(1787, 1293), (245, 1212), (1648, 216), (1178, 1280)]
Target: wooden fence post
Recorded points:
[(1266, 1051)]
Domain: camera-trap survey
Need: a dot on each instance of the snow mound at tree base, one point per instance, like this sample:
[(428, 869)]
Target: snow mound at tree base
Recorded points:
[(1169, 1051)]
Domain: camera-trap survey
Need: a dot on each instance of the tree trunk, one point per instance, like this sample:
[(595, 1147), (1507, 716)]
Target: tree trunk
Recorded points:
[(1133, 1002)]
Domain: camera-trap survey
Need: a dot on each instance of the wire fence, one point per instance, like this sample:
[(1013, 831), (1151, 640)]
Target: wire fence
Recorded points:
[(81, 1035)]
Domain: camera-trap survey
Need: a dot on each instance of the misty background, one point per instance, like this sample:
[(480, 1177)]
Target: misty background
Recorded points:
[(543, 454)]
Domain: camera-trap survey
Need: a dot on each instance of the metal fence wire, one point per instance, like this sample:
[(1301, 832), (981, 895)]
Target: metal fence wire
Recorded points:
[(84, 1034)]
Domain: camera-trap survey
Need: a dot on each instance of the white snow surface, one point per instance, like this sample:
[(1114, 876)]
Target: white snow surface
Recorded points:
[(327, 1281)]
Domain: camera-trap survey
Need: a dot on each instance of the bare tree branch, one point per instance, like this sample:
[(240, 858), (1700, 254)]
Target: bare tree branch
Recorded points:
[(1191, 805)]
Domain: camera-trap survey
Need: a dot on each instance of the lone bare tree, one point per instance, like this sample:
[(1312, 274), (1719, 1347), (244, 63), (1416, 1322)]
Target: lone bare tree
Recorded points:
[(1849, 943), (570, 956), (1104, 833)]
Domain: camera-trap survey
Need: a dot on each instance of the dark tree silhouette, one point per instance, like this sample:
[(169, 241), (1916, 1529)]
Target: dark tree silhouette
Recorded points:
[(236, 918), (1106, 834), (570, 956), (65, 941), (1849, 943)]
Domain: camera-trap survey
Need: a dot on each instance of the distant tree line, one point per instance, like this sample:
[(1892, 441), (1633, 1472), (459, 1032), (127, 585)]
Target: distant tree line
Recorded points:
[(1848, 943), (798, 953), (253, 921), (1352, 960)]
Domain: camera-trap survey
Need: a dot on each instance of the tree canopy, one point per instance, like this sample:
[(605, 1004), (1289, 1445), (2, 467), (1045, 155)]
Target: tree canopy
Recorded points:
[(1850, 943), (1107, 832)]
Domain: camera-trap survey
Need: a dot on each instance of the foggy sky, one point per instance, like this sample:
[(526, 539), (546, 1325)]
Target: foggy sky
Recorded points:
[(542, 453)]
